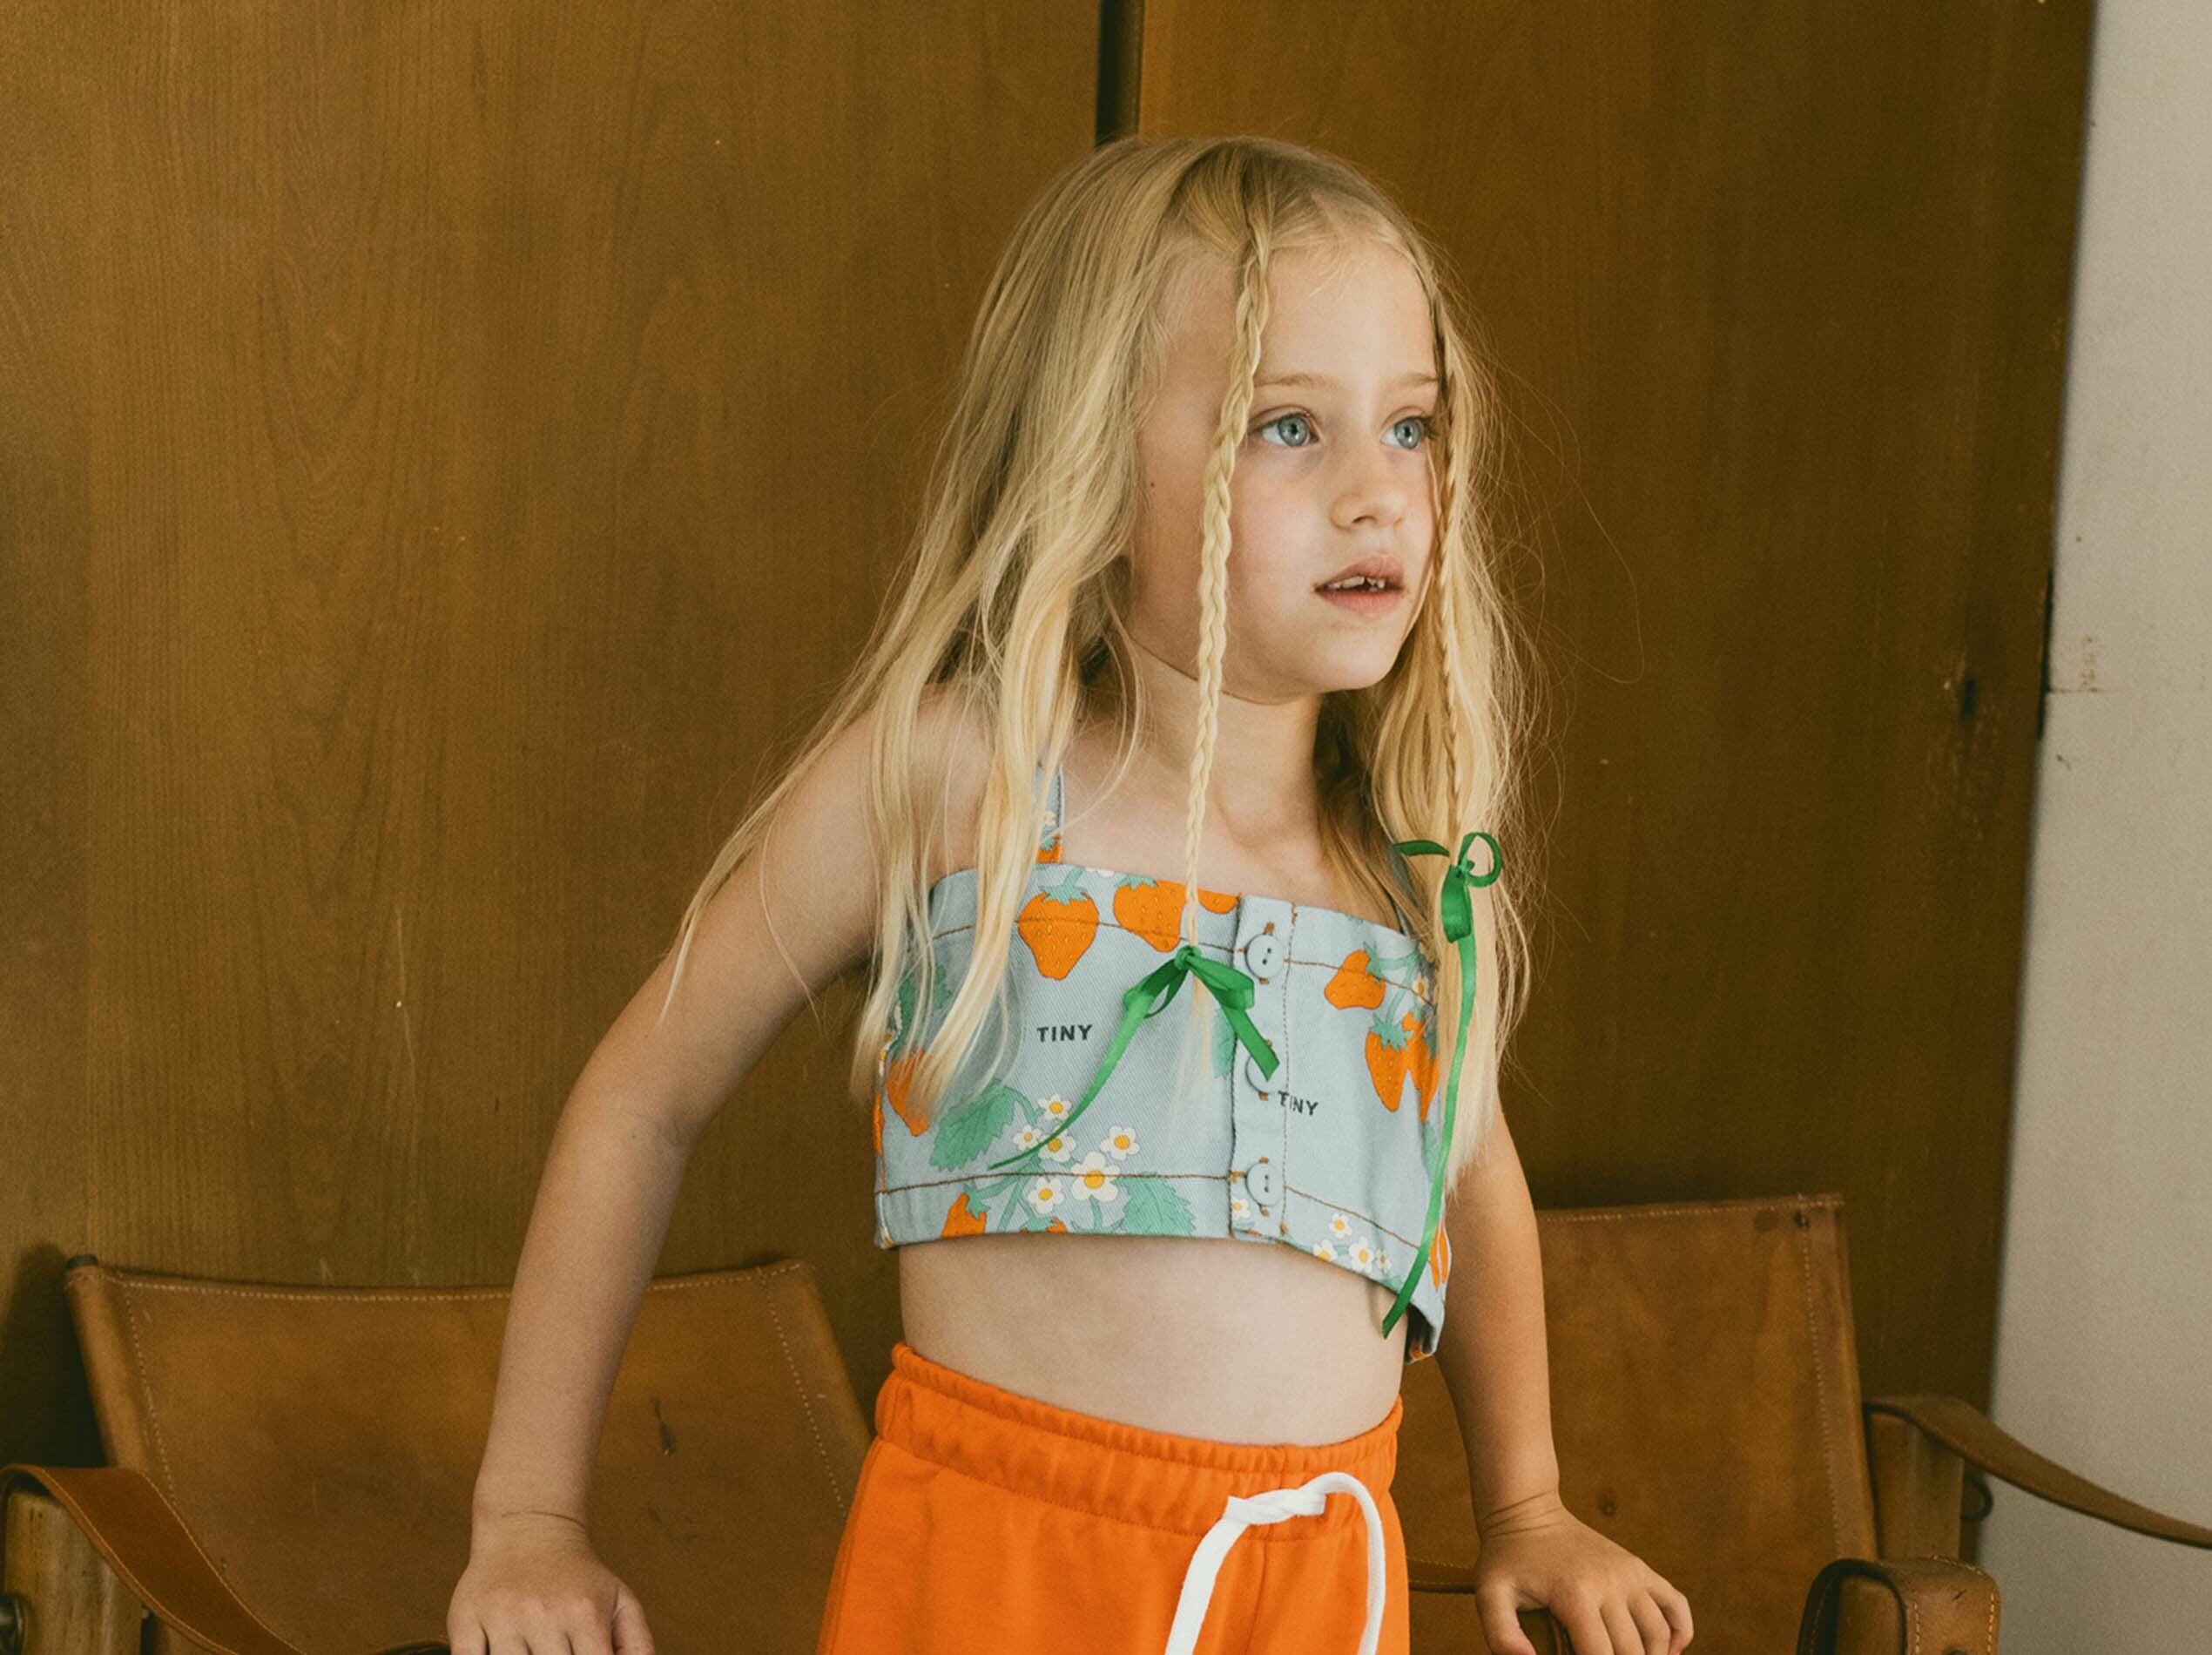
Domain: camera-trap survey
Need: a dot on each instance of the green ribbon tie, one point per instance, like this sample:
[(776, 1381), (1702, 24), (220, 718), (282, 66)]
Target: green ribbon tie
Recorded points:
[(1227, 984), (1458, 910)]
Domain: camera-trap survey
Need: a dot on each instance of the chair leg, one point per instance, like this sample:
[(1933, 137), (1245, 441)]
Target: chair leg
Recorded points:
[(1918, 1484), (60, 1592)]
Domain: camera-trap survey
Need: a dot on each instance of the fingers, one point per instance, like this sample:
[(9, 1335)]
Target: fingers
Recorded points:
[(1586, 1627), (1500, 1625), (631, 1637), (588, 1634), (550, 1635), (1654, 1622), (1621, 1627)]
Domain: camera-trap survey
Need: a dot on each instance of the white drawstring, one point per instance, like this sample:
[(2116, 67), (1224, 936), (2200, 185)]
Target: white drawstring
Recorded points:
[(1243, 1510)]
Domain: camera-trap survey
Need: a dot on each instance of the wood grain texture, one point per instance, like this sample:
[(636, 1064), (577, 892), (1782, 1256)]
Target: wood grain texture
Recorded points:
[(1779, 298), (445, 452)]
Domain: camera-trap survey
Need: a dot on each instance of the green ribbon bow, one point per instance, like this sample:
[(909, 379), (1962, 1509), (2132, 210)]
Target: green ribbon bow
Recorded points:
[(1458, 909), (1226, 983)]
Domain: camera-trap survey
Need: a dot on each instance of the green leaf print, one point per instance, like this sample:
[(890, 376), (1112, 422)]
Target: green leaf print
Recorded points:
[(907, 1033), (969, 1129), (1379, 962), (903, 1020), (1151, 1206)]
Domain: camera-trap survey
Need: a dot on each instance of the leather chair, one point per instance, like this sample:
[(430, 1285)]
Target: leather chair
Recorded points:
[(291, 1469), (1706, 1410)]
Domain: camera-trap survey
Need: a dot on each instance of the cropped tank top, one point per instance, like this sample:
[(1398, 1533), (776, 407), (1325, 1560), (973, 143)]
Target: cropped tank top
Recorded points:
[(1336, 1152)]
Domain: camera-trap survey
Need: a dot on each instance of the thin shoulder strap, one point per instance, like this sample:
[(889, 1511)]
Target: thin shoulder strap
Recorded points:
[(1054, 803), (1405, 919)]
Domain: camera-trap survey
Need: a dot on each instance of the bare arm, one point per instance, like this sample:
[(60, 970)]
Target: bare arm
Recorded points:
[(651, 1087), (627, 1130), (1492, 1349)]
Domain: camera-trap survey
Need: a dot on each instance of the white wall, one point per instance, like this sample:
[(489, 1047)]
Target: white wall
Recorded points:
[(2104, 1340)]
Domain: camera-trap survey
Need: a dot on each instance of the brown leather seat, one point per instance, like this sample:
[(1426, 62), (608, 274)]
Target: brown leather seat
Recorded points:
[(1706, 1410), (319, 1447)]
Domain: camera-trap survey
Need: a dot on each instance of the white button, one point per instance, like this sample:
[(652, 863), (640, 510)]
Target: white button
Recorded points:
[(1259, 1178), (1262, 953), (1254, 1076)]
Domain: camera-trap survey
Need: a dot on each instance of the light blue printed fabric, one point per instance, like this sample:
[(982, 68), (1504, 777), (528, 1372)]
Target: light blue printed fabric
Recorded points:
[(1330, 1154)]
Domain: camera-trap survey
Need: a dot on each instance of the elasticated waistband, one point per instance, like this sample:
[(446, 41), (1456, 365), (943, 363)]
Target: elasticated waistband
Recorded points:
[(1113, 1470)]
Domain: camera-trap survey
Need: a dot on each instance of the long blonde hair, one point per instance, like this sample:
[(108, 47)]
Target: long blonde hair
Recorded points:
[(1011, 596)]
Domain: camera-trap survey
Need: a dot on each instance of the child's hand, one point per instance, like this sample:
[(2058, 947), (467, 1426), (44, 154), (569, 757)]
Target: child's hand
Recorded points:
[(533, 1587), (1539, 1555)]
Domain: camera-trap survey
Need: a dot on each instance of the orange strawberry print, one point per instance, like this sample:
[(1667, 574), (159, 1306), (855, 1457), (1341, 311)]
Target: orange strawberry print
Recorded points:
[(895, 1079), (1440, 1258), (1153, 907), (963, 1219), (1058, 1226), (1050, 850), (1420, 1062), (1353, 984), (1386, 1062), (1058, 924)]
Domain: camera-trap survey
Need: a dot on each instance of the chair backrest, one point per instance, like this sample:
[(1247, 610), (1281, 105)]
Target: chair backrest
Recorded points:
[(1705, 1408), (322, 1446)]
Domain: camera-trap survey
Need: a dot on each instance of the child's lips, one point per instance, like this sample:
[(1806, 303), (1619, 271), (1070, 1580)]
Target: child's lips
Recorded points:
[(1362, 601)]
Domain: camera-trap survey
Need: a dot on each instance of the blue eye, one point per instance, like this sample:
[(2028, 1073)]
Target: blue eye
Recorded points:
[(1426, 423), (1269, 425)]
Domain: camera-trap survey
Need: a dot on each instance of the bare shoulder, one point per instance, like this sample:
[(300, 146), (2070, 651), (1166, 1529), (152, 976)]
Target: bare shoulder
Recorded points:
[(795, 914)]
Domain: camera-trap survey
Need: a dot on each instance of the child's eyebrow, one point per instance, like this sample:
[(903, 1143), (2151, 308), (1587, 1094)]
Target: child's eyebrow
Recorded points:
[(1323, 379)]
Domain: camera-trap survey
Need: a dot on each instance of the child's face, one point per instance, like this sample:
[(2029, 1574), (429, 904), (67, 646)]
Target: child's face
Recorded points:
[(1328, 472)]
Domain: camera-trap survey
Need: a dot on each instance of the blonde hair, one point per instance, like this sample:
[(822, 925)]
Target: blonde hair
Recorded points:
[(1011, 596)]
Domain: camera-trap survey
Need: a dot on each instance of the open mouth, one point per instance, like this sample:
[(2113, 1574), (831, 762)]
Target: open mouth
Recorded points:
[(1370, 587)]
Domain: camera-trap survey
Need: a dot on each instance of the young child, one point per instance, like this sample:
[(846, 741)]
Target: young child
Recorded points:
[(1202, 584)]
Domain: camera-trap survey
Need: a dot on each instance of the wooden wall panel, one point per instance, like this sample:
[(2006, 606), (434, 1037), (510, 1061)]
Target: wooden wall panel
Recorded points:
[(1779, 295), (445, 451)]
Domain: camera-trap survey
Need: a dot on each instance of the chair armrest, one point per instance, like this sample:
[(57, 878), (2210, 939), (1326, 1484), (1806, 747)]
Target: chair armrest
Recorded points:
[(138, 1532), (56, 1592), (1969, 1434), (1933, 1603)]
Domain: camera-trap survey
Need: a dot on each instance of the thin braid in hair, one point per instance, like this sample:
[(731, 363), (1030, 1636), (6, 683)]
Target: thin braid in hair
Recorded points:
[(1213, 573), (1447, 625)]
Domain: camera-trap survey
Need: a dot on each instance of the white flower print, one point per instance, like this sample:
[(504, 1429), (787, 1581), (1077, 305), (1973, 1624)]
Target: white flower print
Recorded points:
[(1055, 1106), (1056, 1148), (1120, 1143), (1323, 1251), (1339, 1227), (1095, 1180), (1026, 1136), (1045, 1195), (1239, 1209), (1363, 1254)]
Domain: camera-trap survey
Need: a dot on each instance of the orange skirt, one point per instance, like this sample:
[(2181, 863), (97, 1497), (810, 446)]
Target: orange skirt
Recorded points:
[(985, 1519)]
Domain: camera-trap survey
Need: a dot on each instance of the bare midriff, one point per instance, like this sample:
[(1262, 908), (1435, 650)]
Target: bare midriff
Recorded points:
[(1237, 1340)]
